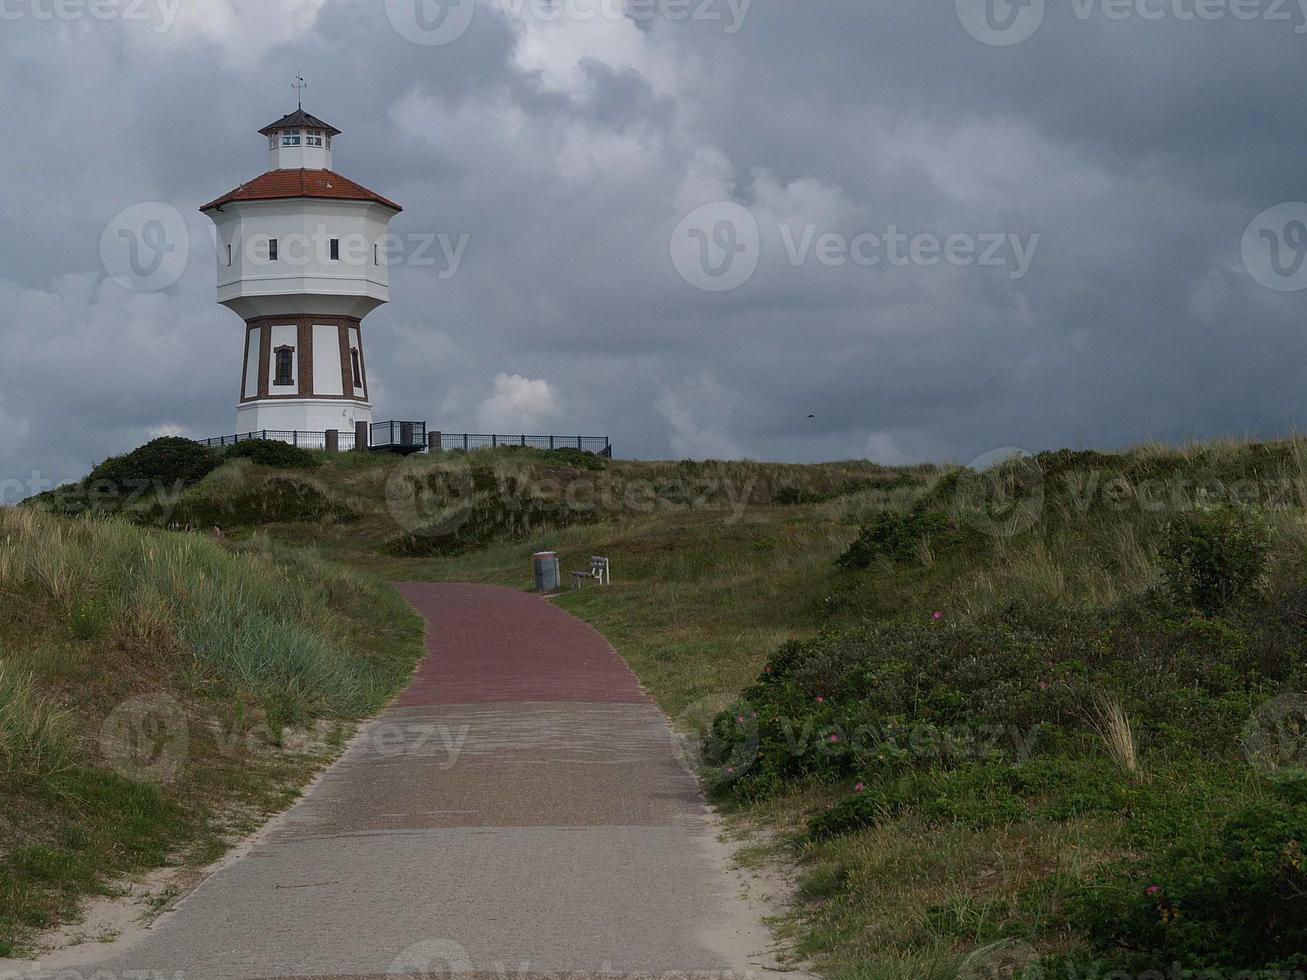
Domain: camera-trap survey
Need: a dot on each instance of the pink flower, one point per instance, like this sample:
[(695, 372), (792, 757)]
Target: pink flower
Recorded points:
[(1152, 889), (937, 616), (739, 719), (834, 738), (820, 699), (730, 771), (1043, 686), (859, 788)]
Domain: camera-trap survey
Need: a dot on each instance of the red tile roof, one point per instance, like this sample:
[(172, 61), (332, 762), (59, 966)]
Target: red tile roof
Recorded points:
[(278, 185)]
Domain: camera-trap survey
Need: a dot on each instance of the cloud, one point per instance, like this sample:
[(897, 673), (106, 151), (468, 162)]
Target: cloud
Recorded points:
[(697, 415), (518, 405), (568, 151), (884, 449)]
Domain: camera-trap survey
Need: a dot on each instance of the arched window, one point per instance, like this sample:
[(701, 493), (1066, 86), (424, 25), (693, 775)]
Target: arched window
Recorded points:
[(285, 366)]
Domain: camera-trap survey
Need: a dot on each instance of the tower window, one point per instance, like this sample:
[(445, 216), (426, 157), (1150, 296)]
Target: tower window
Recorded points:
[(358, 367), (290, 137), (272, 250), (229, 254), (335, 250), (285, 366), (313, 139), (272, 142), (376, 254)]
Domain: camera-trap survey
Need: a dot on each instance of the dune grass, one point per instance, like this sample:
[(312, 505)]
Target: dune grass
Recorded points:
[(111, 635), (35, 737)]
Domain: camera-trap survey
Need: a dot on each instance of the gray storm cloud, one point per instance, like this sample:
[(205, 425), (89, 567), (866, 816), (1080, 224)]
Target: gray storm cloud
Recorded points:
[(573, 158)]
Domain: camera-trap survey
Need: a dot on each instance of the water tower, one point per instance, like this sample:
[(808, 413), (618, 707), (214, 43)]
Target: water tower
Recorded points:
[(302, 260)]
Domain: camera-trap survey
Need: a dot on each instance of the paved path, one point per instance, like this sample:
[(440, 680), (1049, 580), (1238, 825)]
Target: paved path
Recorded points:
[(518, 811)]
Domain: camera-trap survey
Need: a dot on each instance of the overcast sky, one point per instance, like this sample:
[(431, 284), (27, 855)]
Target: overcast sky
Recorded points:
[(687, 224)]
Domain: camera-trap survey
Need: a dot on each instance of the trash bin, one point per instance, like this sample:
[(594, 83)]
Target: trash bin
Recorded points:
[(548, 576)]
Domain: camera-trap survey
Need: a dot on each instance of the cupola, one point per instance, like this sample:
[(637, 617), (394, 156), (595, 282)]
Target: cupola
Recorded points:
[(299, 141)]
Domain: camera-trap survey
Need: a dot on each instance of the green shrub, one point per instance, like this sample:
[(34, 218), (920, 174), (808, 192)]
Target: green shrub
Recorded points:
[(895, 537), (273, 452), (166, 462), (863, 809), (484, 520), (578, 458), (1229, 896), (1017, 686), (1217, 558), (478, 506), (234, 497)]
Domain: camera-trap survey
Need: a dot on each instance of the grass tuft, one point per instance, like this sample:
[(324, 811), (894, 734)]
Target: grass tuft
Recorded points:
[(35, 737)]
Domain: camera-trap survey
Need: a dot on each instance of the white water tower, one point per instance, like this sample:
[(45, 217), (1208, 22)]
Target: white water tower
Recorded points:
[(302, 260)]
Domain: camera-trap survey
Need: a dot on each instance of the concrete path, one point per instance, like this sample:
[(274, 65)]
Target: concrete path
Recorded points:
[(518, 811)]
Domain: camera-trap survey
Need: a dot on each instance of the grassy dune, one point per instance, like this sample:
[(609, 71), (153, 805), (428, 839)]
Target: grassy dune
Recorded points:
[(1088, 843), (161, 692), (1130, 629)]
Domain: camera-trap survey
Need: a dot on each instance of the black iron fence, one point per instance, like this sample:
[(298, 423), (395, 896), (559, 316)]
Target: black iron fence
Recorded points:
[(468, 441), (399, 435), (296, 437), (413, 437)]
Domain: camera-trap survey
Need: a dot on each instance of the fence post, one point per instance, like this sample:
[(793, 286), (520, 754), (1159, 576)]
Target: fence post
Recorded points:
[(333, 440), (578, 442), (551, 443), (362, 436), (295, 438), (524, 441), (494, 441), (433, 442)]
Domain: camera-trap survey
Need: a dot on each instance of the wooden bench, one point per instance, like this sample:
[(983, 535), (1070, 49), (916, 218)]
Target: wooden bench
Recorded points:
[(598, 572)]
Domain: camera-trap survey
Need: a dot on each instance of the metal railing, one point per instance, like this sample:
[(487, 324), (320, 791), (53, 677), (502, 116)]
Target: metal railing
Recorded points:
[(413, 436), (468, 441), (296, 437), (399, 435)]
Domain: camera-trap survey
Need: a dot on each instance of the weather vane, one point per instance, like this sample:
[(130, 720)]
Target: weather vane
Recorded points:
[(299, 85)]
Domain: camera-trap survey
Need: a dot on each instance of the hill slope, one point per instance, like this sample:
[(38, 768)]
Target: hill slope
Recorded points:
[(160, 693), (1052, 710)]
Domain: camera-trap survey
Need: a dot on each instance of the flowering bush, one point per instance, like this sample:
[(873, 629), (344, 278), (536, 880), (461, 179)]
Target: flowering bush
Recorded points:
[(1233, 896)]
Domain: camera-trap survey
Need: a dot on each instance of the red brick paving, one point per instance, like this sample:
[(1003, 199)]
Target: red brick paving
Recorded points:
[(487, 645)]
